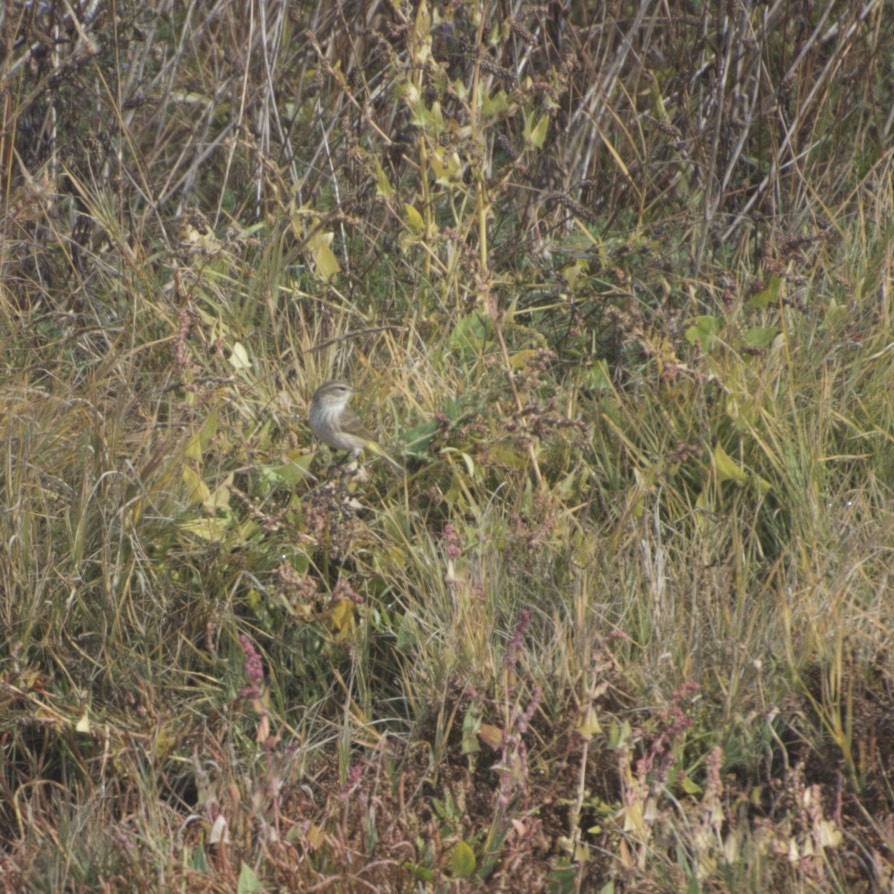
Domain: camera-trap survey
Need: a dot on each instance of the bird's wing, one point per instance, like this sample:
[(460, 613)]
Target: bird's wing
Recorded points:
[(353, 426)]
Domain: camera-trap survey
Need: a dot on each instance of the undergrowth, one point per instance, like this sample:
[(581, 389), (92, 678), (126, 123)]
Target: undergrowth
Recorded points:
[(614, 281)]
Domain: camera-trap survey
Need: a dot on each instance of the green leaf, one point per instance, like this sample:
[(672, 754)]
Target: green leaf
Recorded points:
[(494, 105), (471, 725), (703, 332), (448, 170), (836, 314), (573, 272), (761, 336), (202, 438), (210, 529), (423, 873), (619, 734), (417, 440), (689, 786), (767, 296), (462, 860), (563, 879), (598, 377), (538, 134), (288, 473), (196, 859), (248, 881), (383, 184), (470, 334)]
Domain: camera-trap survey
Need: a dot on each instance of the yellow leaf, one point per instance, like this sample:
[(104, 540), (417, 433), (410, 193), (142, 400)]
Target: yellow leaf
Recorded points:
[(196, 489), (581, 852), (420, 36), (519, 360), (342, 617), (201, 438), (827, 833), (211, 529), (727, 469), (220, 498), (316, 837), (538, 134), (383, 184), (589, 727), (491, 735), (193, 449), (633, 818), (324, 259), (239, 357), (414, 218)]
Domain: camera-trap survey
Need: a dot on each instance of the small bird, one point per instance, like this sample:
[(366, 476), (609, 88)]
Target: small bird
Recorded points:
[(337, 426)]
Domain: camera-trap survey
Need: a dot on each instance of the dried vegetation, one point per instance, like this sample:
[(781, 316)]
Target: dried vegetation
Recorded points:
[(615, 279)]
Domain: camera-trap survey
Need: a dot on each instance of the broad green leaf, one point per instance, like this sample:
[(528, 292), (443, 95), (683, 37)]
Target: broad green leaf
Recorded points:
[(470, 334), (248, 883), (448, 170), (619, 734), (573, 272), (462, 860), (761, 336), (288, 473), (519, 360), (201, 438), (420, 35), (703, 332), (836, 314), (383, 184), (493, 105), (689, 786), (598, 377), (417, 441), (219, 498), (196, 859), (767, 296), (423, 873)]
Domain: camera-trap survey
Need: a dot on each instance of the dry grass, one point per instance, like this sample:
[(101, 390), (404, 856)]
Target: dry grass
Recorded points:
[(615, 280)]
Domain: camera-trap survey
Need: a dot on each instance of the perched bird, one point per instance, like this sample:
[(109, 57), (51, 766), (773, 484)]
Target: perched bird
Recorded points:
[(337, 426)]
